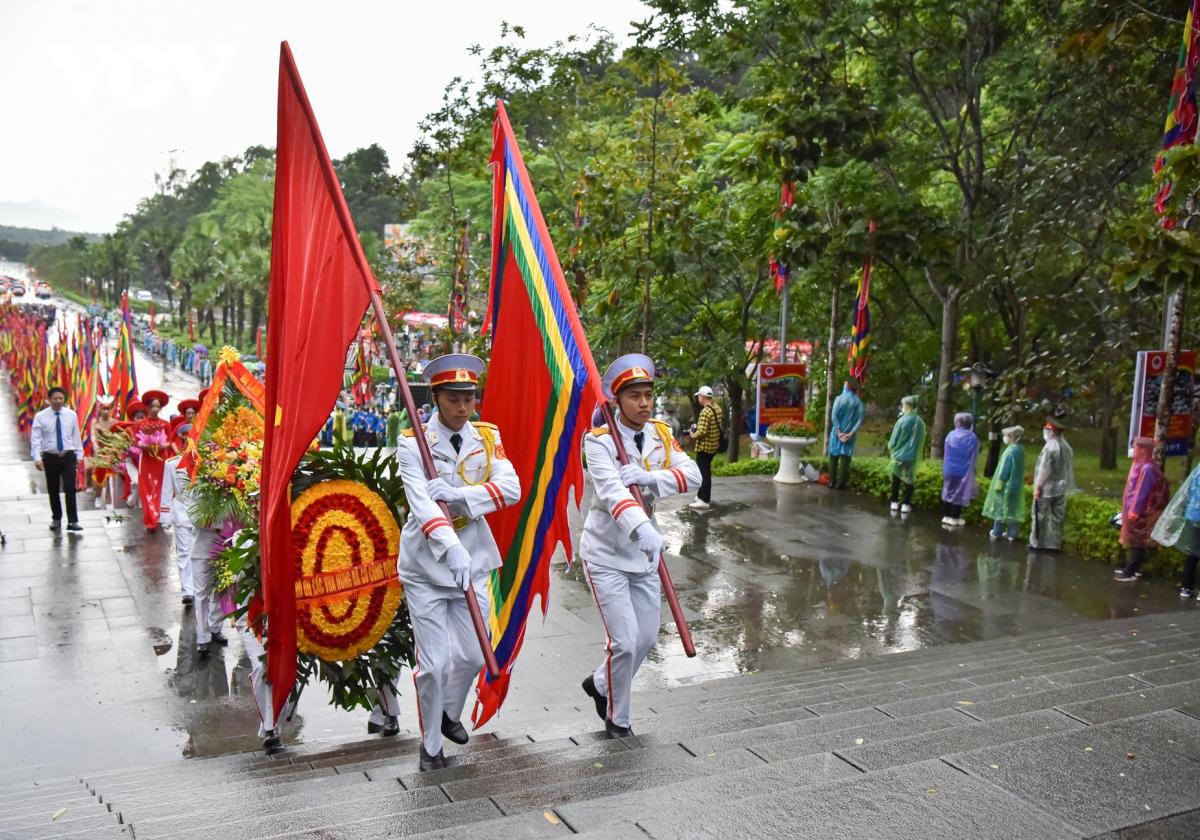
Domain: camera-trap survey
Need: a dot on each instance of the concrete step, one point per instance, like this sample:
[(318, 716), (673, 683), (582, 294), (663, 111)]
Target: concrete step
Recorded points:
[(928, 800), (914, 748), (1134, 703)]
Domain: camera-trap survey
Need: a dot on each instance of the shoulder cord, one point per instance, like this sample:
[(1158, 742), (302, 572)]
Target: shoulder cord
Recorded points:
[(489, 447)]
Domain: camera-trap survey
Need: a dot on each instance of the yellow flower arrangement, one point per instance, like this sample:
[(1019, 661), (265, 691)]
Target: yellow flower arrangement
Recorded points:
[(347, 590)]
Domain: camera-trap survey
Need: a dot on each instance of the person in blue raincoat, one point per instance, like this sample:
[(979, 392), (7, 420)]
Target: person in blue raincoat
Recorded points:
[(906, 446), (961, 450), (846, 419)]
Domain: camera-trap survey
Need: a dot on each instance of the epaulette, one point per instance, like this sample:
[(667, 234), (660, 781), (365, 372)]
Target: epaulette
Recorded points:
[(411, 432), (600, 430), (479, 423)]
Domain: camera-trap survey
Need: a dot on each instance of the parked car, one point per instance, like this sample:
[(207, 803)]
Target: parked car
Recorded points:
[(142, 294), (18, 290)]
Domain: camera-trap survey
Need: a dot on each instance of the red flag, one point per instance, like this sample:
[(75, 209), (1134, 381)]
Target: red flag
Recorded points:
[(320, 286)]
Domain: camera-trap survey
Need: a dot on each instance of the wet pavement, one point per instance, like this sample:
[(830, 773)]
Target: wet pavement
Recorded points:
[(97, 662)]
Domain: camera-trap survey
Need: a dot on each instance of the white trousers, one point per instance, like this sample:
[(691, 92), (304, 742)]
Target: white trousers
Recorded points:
[(207, 606), (261, 689), (630, 606), (185, 535), (388, 705), (448, 654)]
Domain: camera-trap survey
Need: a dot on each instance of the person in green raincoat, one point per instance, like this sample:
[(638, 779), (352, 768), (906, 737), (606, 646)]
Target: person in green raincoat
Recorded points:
[(906, 446), (1005, 502), (393, 429), (1053, 481)]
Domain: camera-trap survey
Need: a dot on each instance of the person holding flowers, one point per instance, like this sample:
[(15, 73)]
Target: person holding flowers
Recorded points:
[(440, 556), (152, 437)]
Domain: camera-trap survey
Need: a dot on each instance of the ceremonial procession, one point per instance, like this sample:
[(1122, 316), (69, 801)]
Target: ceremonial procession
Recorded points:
[(658, 421)]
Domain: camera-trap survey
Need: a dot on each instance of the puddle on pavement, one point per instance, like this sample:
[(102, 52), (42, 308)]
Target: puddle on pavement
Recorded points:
[(799, 576)]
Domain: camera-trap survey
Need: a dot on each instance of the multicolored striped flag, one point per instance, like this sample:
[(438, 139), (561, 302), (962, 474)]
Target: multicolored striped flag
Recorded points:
[(780, 270), (862, 319), (541, 388), (1181, 108), (122, 381)]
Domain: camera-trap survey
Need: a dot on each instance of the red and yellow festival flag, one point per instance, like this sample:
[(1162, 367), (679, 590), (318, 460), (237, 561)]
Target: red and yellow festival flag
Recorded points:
[(122, 380), (541, 388)]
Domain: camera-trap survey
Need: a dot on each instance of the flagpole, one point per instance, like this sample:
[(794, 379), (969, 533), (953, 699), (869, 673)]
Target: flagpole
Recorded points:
[(481, 629), (685, 635)]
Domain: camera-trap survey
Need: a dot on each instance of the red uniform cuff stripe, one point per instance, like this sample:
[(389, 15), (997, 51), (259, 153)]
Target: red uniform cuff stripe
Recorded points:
[(433, 524), (623, 506), (497, 496)]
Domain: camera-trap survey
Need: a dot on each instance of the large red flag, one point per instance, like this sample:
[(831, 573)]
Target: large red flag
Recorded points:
[(320, 287)]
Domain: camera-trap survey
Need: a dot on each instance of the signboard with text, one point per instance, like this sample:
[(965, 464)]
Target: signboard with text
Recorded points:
[(1147, 385), (781, 389)]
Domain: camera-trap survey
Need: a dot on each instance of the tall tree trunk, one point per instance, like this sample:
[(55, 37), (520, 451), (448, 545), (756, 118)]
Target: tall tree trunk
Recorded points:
[(945, 394), (256, 313), (1167, 392), (736, 407), (241, 316), (212, 330), (1108, 432), (831, 364)]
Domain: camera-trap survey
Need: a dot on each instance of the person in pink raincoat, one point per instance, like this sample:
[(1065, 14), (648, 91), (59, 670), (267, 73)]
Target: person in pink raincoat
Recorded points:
[(1146, 496)]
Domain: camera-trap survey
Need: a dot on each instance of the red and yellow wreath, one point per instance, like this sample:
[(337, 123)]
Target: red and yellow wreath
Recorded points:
[(346, 544)]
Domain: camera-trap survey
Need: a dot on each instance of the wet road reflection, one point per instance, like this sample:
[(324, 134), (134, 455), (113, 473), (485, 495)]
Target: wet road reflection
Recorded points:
[(788, 576)]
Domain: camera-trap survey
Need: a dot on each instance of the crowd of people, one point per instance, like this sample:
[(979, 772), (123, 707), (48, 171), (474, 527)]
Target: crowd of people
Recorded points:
[(1149, 514)]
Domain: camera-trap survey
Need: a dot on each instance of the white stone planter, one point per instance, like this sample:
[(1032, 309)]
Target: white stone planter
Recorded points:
[(789, 449)]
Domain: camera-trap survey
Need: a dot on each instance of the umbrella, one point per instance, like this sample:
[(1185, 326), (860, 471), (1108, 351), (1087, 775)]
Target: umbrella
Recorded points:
[(201, 349)]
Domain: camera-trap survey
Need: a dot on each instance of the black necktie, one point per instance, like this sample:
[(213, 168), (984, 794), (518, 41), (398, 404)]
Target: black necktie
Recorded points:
[(638, 437), (456, 442)]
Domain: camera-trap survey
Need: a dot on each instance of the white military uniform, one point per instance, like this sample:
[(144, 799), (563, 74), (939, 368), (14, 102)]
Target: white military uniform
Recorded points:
[(624, 580), (176, 515), (448, 654), (207, 606)]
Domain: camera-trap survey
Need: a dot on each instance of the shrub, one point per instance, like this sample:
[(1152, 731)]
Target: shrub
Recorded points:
[(746, 466), (792, 428)]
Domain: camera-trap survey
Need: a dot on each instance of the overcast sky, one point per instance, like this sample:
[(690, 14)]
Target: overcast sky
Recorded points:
[(96, 97)]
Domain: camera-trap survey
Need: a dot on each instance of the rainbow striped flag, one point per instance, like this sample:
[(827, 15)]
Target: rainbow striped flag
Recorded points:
[(862, 319), (1181, 107), (541, 388), (122, 380)]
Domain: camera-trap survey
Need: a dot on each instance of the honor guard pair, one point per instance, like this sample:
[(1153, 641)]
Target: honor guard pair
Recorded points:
[(439, 555), (621, 544)]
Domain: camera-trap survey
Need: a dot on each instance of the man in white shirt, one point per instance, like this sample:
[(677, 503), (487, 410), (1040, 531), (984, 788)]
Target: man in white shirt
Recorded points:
[(56, 447)]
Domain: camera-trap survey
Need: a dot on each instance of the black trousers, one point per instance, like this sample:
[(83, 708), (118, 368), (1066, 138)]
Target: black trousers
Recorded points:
[(60, 469), (908, 490), (839, 471), (1189, 571), (953, 511), (704, 462), (1137, 556)]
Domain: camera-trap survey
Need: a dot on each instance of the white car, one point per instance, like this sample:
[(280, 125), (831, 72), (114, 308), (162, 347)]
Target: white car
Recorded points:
[(142, 294)]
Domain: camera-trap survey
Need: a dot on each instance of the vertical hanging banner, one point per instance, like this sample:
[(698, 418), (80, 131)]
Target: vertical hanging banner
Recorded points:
[(1147, 385), (1180, 129), (780, 393), (862, 319), (320, 287), (542, 385)]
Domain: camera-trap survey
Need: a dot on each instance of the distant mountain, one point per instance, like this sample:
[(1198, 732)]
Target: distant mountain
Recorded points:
[(35, 214), (34, 236)]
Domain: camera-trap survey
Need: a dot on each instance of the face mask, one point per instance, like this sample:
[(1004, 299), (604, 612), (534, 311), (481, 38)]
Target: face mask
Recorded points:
[(1047, 435)]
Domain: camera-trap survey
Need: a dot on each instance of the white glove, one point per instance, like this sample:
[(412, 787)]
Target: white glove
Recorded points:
[(458, 561), (441, 491), (632, 474), (650, 542)]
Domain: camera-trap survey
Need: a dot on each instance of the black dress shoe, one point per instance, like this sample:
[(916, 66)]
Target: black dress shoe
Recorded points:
[(272, 743), (389, 727), (74, 526), (55, 524), (431, 762), (202, 649), (615, 731), (219, 639), (454, 730), (589, 686), (188, 600)]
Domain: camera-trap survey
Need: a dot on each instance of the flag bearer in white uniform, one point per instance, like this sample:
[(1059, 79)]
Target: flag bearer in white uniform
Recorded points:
[(174, 513), (438, 556), (621, 543)]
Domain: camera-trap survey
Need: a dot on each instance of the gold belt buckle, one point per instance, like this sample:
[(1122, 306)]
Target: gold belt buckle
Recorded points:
[(460, 522)]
